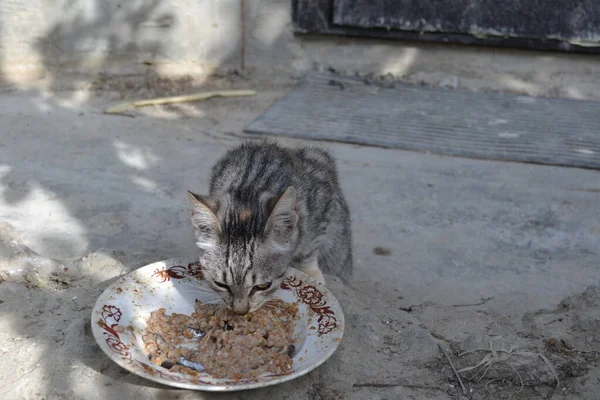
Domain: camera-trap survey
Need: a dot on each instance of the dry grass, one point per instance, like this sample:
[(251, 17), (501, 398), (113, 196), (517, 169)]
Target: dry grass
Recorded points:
[(495, 356)]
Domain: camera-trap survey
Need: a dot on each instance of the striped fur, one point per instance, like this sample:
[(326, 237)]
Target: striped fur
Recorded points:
[(269, 208)]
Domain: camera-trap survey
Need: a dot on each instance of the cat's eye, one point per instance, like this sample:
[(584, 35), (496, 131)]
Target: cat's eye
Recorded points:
[(222, 286), (262, 286)]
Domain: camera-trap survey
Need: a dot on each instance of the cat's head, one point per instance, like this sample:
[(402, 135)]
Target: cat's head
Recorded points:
[(245, 250)]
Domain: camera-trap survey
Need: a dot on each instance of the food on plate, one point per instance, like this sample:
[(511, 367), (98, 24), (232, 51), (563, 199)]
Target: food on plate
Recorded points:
[(224, 344)]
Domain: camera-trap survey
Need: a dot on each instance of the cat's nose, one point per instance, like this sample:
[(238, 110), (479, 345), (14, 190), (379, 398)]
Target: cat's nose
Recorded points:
[(241, 308)]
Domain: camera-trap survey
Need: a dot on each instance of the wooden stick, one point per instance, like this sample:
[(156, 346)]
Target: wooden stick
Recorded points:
[(464, 390), (121, 108)]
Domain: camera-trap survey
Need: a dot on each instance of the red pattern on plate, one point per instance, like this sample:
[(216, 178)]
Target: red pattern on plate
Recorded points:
[(179, 272), (109, 319), (313, 297)]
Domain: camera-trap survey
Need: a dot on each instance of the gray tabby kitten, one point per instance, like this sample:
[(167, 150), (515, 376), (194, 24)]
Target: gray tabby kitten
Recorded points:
[(270, 208)]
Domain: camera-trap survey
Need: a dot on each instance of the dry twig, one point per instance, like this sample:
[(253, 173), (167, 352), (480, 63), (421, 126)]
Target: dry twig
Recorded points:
[(502, 356), (462, 386), (123, 108)]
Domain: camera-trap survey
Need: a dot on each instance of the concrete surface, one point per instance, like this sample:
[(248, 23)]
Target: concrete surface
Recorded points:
[(43, 41), (469, 249)]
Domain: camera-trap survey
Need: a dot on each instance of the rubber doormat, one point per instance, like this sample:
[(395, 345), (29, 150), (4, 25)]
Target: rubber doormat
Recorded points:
[(451, 122)]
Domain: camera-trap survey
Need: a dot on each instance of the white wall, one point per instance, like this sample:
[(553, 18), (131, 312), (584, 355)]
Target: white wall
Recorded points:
[(87, 35)]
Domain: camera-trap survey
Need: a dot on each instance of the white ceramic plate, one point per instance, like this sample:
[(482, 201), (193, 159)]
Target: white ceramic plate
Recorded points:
[(119, 315)]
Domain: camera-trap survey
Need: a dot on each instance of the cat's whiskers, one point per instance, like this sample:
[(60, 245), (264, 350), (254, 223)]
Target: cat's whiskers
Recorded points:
[(271, 305), (205, 300), (216, 301), (269, 308), (200, 281), (199, 288), (201, 296), (207, 294), (196, 283)]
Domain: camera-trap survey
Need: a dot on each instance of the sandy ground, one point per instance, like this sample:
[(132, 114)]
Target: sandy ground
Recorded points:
[(477, 255)]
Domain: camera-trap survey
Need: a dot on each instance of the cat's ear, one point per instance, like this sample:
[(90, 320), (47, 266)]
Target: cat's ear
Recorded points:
[(281, 229), (204, 218)]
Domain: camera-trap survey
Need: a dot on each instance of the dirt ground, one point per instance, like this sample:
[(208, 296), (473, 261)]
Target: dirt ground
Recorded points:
[(487, 268)]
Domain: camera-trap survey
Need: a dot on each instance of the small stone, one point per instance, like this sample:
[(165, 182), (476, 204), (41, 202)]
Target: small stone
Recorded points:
[(101, 266), (450, 82), (589, 339), (381, 251), (543, 391)]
